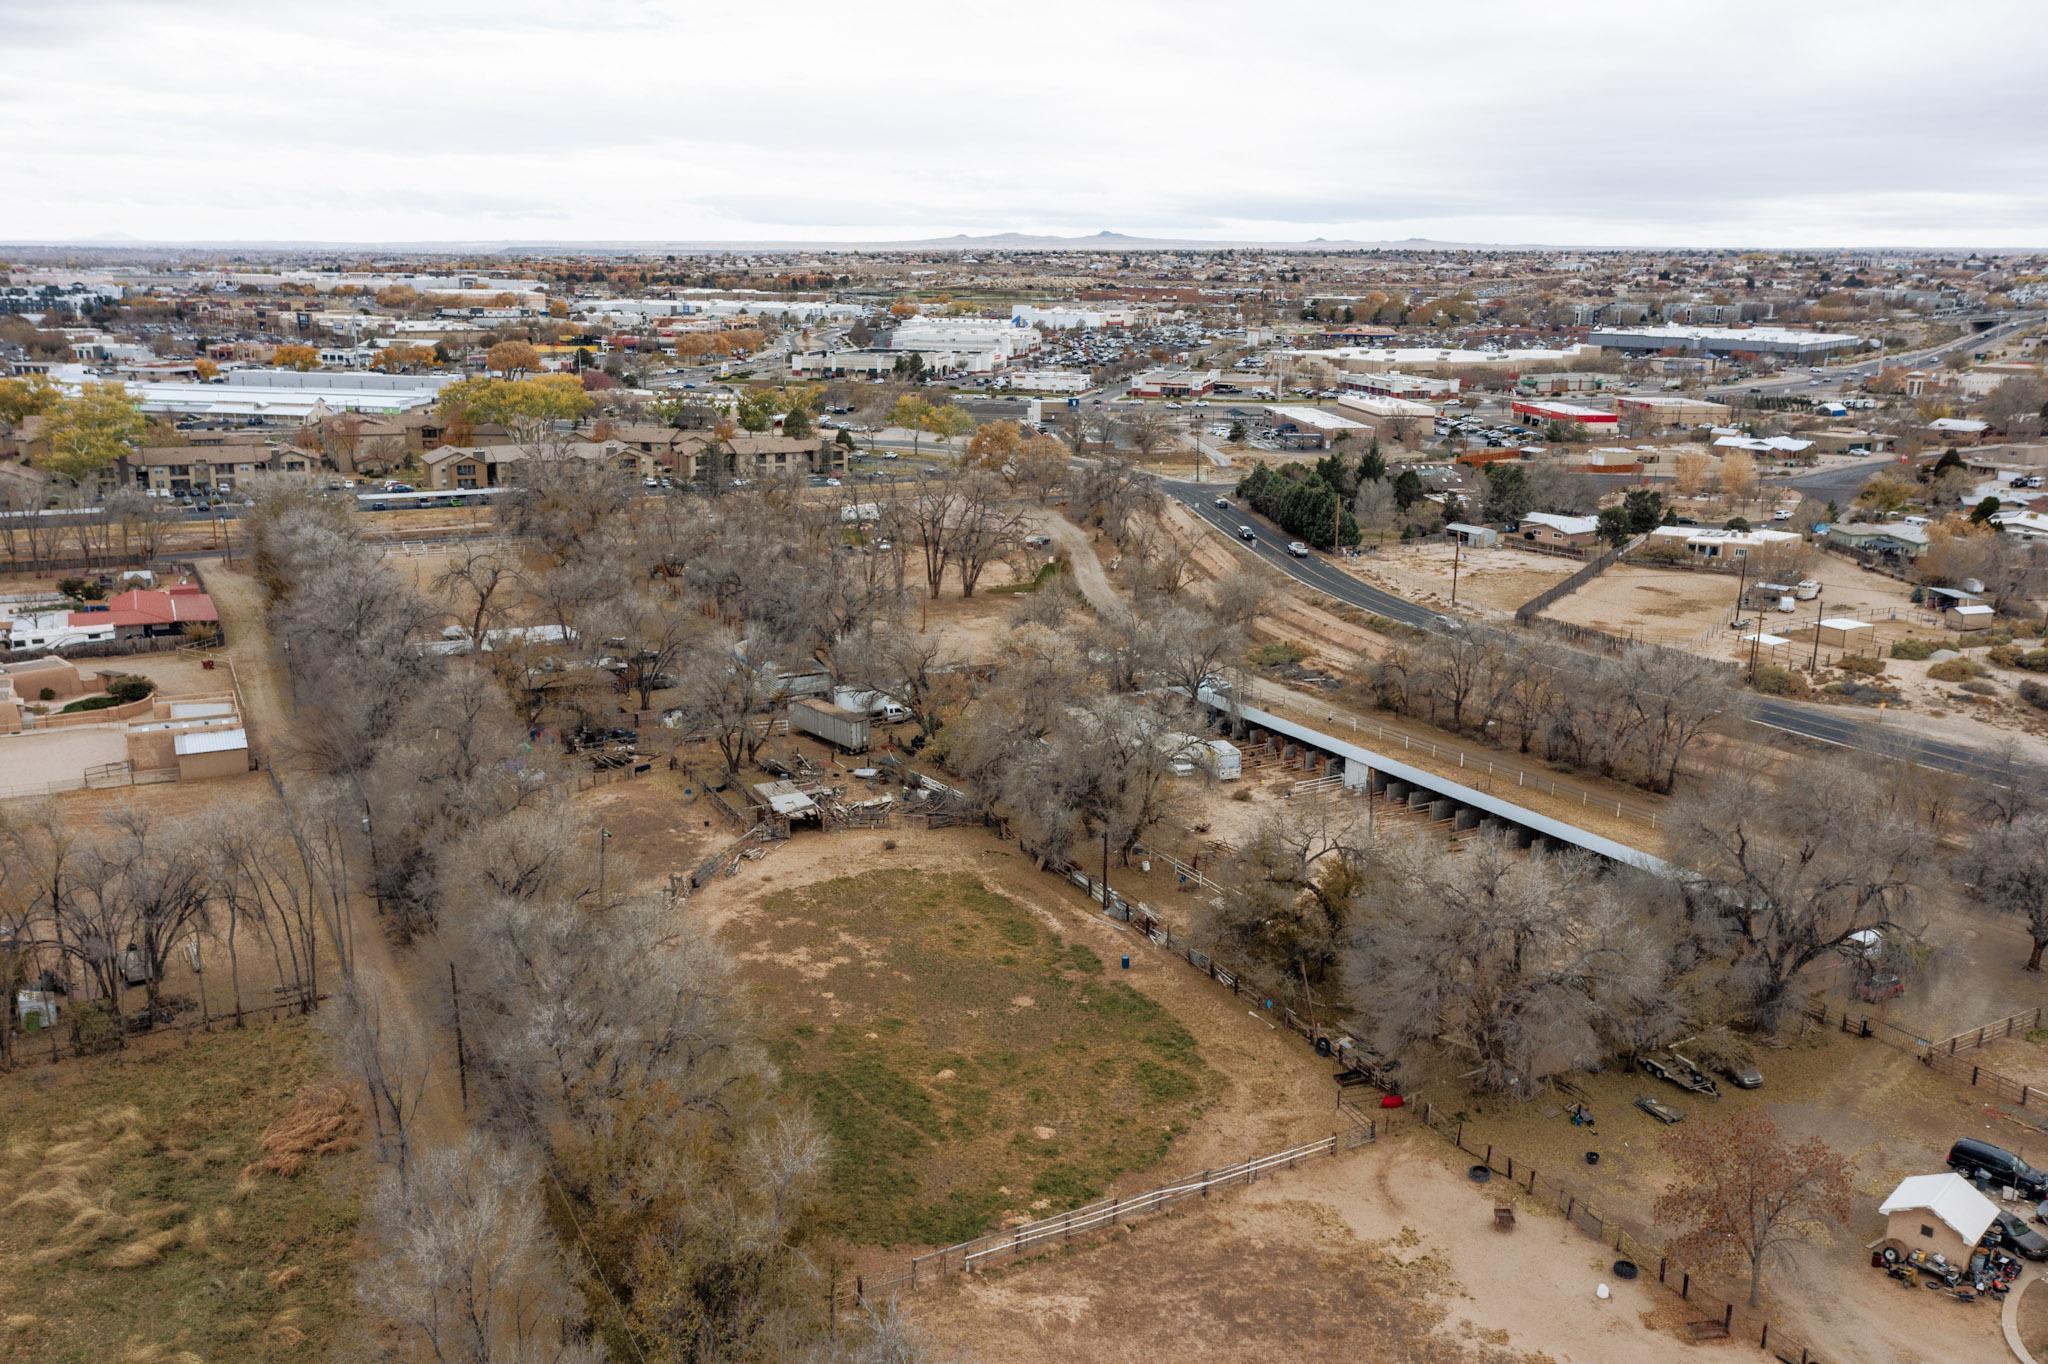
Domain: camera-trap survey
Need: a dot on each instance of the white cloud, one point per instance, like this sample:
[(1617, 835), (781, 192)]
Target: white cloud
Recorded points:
[(1598, 123)]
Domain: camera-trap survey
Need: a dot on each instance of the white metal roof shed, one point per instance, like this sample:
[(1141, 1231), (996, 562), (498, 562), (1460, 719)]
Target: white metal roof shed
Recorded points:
[(211, 741), (1949, 1197)]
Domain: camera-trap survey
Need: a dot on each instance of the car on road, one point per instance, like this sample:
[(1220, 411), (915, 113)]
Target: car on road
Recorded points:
[(1247, 533), (1297, 549), (1222, 504), (1035, 541), (1658, 1109)]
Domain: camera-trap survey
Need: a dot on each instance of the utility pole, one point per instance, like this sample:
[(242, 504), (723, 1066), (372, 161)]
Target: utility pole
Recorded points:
[(1105, 870), (1820, 613), (1457, 552), (604, 836)]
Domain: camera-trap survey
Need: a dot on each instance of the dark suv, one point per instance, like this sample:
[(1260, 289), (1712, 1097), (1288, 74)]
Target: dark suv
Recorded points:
[(1981, 1160)]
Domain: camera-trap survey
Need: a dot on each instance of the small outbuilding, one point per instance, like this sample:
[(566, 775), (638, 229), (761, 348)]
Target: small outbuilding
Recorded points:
[(1942, 1214), (1477, 537), (212, 753), (1841, 632)]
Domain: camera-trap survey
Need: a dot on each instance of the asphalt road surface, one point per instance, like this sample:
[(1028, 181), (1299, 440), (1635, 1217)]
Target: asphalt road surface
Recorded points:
[(1315, 571), (1819, 724)]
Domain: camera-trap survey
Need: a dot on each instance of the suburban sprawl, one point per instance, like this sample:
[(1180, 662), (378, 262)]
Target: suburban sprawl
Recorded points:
[(1067, 796)]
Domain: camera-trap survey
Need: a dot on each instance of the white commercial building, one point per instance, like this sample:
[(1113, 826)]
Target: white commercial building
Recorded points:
[(1067, 319), (966, 336), (317, 381), (1394, 384), (1385, 407), (1410, 359), (1785, 341), (1048, 381)]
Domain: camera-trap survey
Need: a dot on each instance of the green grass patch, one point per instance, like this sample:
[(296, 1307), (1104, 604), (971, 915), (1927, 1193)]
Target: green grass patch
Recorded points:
[(1047, 571), (968, 1062), (127, 1229)]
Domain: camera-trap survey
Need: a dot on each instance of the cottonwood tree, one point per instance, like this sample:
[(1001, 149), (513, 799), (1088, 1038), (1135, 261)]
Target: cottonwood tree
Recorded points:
[(726, 687), (381, 1042), (468, 1270), (477, 580), (983, 526), (1743, 1195), (1786, 874), (2006, 867), (1294, 881), (1508, 965)]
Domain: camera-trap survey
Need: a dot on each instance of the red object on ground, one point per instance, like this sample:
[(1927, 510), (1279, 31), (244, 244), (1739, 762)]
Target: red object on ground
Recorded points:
[(1392, 1101)]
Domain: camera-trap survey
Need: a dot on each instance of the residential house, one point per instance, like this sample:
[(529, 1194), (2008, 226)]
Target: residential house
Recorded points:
[(1559, 532), (1889, 542)]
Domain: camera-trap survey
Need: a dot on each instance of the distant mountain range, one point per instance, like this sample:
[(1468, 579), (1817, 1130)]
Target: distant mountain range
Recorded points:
[(963, 242)]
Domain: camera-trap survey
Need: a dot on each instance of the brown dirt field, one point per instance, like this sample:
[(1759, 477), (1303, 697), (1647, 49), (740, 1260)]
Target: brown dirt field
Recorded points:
[(1676, 606), (1380, 1255), (1491, 582), (1277, 1093), (1889, 1115)]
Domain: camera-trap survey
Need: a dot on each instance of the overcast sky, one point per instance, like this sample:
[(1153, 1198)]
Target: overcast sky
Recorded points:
[(1633, 122)]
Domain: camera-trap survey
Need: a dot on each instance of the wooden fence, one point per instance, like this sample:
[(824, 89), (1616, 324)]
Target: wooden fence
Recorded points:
[(986, 1252), (1714, 1318), (1549, 596), (1972, 1038)]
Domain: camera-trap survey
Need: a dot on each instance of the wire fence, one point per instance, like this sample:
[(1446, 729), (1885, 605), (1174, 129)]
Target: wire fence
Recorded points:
[(1712, 1318), (65, 1041)]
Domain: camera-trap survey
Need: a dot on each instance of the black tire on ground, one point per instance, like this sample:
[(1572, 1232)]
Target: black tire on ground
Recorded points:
[(1891, 1255)]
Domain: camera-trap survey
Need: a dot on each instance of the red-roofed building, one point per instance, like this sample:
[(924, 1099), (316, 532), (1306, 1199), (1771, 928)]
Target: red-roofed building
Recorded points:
[(149, 612), (1569, 415)]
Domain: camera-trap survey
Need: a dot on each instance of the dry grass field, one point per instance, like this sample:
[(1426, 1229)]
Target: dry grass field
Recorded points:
[(191, 1203), (969, 1063)]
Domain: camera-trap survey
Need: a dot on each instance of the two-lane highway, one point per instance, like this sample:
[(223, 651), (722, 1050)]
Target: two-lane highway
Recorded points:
[(1820, 724), (1271, 545)]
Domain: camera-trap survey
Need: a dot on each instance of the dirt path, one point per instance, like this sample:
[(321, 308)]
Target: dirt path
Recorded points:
[(1089, 575), (266, 708)]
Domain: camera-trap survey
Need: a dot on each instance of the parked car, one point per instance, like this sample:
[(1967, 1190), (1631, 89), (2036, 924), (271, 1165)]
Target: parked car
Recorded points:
[(1742, 1074), (1247, 533), (1981, 1160), (1661, 1111), (1297, 549), (2009, 1231)]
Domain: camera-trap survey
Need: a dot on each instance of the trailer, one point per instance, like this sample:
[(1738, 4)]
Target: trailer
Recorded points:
[(1222, 759), (844, 729), (875, 705)]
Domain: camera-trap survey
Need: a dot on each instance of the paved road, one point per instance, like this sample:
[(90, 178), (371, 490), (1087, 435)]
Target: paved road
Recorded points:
[(1315, 571), (1818, 723), (1835, 376)]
